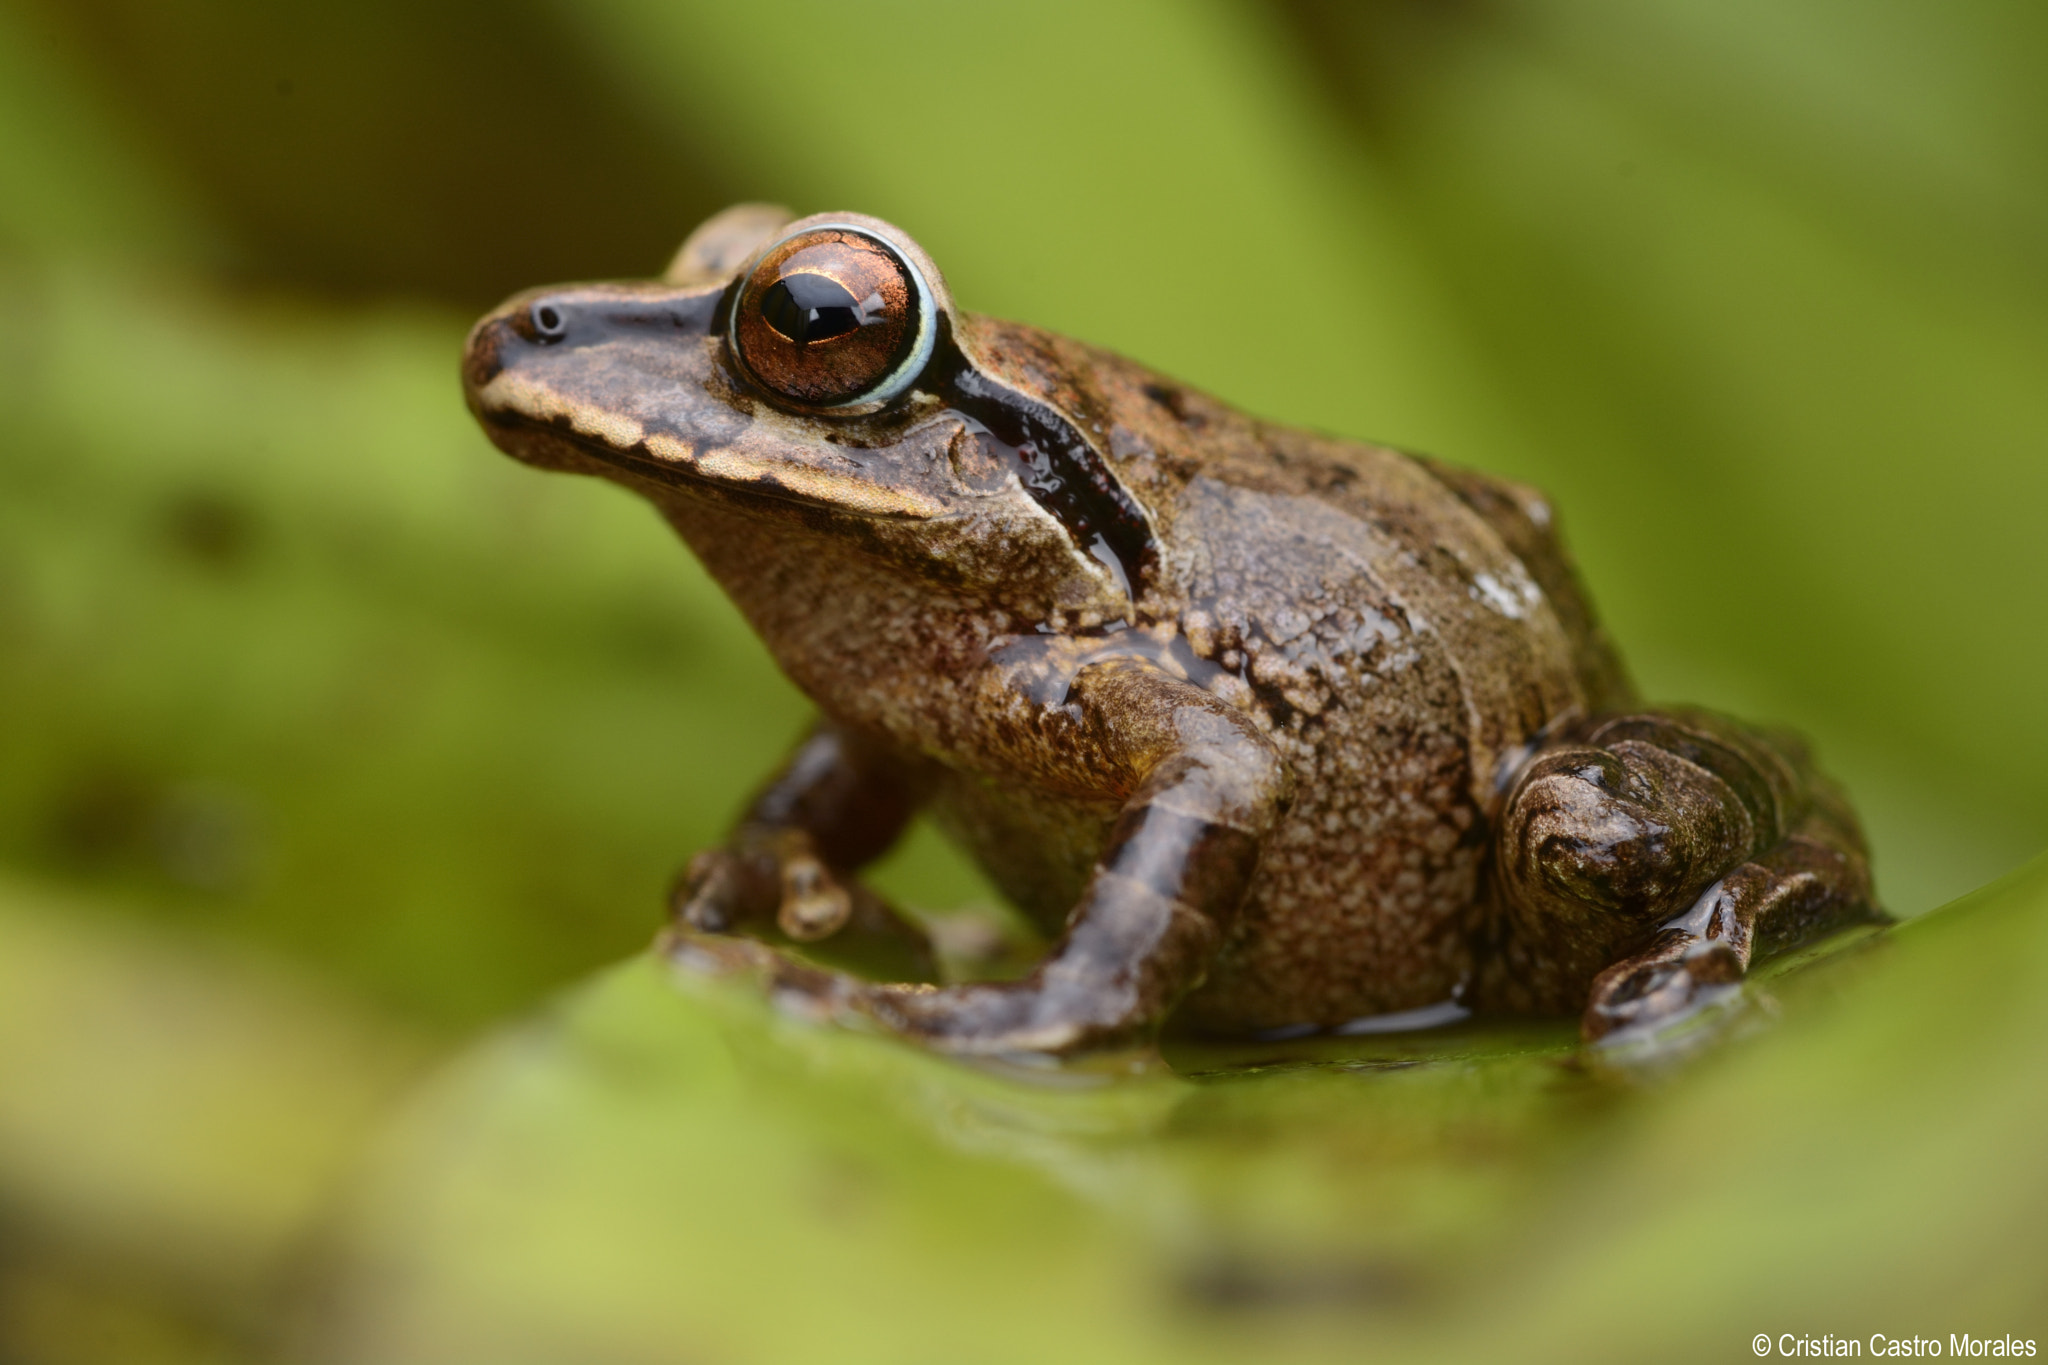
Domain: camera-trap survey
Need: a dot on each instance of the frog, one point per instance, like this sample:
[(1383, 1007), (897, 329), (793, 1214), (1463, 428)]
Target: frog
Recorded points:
[(1268, 731)]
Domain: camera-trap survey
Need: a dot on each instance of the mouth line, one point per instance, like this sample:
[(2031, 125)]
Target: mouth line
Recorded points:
[(638, 460)]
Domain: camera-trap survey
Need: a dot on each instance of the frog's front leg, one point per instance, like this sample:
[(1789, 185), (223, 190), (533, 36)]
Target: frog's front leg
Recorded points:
[(1202, 789), (1648, 859), (786, 869)]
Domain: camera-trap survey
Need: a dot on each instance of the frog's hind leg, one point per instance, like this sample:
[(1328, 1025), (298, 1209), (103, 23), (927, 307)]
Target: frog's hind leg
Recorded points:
[(1649, 859), (1813, 881)]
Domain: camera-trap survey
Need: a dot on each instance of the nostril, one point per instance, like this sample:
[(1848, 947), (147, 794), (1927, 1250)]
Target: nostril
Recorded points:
[(550, 323)]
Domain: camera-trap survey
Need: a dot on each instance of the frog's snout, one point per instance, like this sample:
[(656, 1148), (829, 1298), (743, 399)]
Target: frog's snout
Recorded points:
[(582, 315), (500, 337), (568, 336), (496, 338), (550, 318), (482, 353)]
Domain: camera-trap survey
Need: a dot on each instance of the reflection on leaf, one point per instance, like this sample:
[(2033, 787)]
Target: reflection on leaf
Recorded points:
[(664, 1165)]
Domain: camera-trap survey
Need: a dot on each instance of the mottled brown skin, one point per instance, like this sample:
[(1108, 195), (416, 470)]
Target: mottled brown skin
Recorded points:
[(1269, 729)]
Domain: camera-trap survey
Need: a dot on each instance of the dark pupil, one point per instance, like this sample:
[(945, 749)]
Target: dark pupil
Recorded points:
[(808, 308)]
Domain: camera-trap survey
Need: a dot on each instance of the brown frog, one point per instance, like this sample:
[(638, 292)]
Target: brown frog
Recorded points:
[(1270, 730)]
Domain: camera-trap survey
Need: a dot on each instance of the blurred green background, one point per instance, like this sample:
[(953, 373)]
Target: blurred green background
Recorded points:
[(340, 737)]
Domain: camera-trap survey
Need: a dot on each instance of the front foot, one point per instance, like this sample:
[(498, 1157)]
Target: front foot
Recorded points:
[(771, 885), (763, 875), (1016, 1020), (1104, 989), (1008, 1019), (767, 906)]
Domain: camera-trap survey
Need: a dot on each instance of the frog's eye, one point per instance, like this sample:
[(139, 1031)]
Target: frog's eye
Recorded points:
[(833, 317)]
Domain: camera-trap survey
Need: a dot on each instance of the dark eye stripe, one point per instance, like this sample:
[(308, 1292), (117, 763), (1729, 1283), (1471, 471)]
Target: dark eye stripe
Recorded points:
[(1057, 465)]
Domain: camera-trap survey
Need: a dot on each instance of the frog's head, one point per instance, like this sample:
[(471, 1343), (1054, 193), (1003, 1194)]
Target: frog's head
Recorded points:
[(808, 388)]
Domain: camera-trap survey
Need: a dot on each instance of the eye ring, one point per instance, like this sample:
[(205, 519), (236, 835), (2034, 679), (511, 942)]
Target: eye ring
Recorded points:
[(777, 318)]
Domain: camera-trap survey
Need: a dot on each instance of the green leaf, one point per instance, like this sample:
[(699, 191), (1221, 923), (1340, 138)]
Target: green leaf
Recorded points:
[(664, 1167)]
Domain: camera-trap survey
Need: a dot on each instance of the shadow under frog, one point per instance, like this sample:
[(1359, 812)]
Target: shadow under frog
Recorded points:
[(1267, 729)]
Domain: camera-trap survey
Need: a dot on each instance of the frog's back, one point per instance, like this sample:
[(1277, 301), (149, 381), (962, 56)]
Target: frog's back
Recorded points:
[(1176, 447)]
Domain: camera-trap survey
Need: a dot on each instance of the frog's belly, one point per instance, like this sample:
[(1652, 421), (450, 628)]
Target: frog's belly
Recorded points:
[(1362, 896)]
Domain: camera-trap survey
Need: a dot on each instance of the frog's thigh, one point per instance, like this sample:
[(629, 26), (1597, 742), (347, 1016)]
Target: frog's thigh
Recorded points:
[(1208, 791), (1653, 858)]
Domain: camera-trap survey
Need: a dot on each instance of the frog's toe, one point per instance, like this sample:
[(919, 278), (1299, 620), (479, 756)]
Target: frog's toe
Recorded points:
[(708, 895), (1014, 1019), (1642, 994), (814, 904), (774, 877)]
